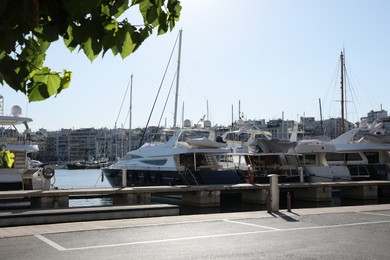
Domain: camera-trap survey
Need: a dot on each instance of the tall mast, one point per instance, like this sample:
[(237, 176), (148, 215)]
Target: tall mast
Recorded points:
[(177, 79), (322, 129), (130, 110), (232, 118), (207, 103), (342, 91)]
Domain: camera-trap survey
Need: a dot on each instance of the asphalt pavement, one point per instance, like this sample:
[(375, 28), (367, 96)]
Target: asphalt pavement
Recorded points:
[(354, 232)]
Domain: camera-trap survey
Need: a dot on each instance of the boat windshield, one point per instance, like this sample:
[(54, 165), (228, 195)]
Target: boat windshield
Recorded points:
[(187, 135)]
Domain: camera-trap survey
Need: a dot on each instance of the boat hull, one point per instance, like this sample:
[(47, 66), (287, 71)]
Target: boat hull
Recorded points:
[(161, 178)]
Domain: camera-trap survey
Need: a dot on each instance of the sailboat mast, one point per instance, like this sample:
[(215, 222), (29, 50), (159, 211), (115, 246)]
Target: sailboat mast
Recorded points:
[(322, 129), (130, 110), (177, 79), (342, 91)]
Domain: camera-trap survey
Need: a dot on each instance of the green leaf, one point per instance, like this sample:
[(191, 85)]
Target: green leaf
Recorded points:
[(65, 80), (91, 49), (91, 26), (125, 43), (43, 85), (108, 40)]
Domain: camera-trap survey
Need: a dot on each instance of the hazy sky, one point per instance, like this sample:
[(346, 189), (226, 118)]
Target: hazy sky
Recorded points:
[(277, 57)]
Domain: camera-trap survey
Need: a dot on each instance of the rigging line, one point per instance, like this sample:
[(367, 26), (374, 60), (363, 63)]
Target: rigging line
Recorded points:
[(158, 92), (364, 90), (127, 116), (353, 96), (124, 96), (331, 86), (166, 101)]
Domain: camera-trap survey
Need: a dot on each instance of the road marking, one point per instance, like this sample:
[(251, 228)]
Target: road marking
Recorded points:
[(60, 248), (249, 224), (51, 243), (373, 213)]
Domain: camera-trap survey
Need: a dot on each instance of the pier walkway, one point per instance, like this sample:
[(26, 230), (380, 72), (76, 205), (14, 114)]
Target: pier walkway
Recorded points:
[(356, 232)]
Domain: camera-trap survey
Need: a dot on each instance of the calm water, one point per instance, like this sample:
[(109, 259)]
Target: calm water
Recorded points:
[(82, 179), (79, 179)]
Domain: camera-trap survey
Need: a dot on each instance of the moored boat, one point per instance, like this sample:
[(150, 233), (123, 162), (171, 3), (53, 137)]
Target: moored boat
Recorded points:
[(16, 172), (255, 155), (80, 165), (181, 160)]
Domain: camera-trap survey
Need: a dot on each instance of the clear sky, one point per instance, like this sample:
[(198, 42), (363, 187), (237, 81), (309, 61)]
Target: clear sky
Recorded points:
[(275, 57)]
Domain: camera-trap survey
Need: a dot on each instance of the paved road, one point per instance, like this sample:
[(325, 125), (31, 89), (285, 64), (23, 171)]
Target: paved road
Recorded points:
[(358, 232)]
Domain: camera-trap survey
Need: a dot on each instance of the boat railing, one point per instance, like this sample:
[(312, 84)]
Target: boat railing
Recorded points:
[(189, 175), (16, 140)]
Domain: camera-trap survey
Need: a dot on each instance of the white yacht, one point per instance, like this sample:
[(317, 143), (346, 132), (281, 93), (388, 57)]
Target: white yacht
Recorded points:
[(345, 159), (16, 172), (189, 157), (255, 154)]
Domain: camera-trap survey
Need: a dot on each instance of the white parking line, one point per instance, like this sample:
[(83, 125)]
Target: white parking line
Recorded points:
[(373, 213), (51, 243), (249, 224), (60, 248)]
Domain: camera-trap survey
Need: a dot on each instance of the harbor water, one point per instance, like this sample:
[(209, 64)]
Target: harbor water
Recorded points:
[(82, 179), (79, 179), (92, 178)]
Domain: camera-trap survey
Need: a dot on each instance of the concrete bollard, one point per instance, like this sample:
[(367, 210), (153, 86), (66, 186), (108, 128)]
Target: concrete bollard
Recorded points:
[(274, 186), (124, 178), (288, 202), (300, 169)]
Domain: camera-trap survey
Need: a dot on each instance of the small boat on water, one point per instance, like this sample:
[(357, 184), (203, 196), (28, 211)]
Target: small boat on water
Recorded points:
[(79, 165), (16, 172)]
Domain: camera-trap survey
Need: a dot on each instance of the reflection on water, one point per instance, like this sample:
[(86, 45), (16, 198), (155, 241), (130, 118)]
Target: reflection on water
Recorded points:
[(95, 202)]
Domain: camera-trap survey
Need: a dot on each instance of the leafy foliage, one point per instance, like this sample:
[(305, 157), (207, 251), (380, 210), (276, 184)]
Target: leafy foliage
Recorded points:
[(28, 27)]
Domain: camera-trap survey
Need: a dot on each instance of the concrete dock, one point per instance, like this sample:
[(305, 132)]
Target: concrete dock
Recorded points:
[(356, 232)]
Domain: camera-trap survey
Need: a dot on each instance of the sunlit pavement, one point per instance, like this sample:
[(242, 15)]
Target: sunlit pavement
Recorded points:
[(355, 232)]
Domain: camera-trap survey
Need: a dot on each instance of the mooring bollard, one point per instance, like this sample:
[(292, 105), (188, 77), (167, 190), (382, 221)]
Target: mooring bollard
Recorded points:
[(301, 180), (124, 178), (288, 202), (274, 186)]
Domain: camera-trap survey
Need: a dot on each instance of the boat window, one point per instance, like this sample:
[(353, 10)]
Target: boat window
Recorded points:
[(230, 136), (292, 160), (187, 135), (129, 157), (310, 159), (271, 160), (339, 157), (353, 157), (260, 137), (372, 157), (165, 136), (155, 162), (243, 137)]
